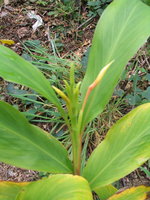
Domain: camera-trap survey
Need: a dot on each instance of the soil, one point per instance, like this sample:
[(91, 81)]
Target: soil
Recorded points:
[(11, 173), (16, 25)]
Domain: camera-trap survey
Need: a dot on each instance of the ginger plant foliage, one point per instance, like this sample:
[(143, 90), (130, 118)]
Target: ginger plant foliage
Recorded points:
[(122, 29)]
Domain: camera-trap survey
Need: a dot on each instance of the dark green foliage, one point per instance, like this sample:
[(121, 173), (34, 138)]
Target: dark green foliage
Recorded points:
[(97, 7)]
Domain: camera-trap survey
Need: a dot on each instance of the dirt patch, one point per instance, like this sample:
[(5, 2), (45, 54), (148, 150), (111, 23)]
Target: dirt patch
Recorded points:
[(16, 25), (11, 173)]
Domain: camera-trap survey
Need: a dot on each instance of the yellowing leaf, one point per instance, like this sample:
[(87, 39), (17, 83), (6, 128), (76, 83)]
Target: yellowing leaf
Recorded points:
[(9, 42), (106, 192), (135, 193), (10, 190), (58, 187), (125, 148)]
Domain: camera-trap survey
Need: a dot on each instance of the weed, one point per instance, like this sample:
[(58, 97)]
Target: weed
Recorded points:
[(97, 7)]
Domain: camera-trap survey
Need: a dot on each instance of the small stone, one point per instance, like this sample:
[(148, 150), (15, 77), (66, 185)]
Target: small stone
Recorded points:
[(11, 173)]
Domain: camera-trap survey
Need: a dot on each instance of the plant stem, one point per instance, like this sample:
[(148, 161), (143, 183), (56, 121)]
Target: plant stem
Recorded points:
[(76, 149)]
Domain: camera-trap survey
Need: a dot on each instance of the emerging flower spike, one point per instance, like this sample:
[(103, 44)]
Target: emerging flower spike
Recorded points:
[(61, 94), (95, 83)]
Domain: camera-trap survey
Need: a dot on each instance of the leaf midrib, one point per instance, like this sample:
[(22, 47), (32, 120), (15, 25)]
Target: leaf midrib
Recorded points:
[(108, 60), (34, 144), (122, 151)]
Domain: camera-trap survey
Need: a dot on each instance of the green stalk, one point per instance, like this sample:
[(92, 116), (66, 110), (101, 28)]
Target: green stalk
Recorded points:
[(76, 150), (76, 142), (77, 117), (72, 104)]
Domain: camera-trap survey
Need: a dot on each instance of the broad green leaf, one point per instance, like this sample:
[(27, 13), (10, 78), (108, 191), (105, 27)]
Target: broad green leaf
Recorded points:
[(27, 146), (15, 69), (64, 187), (123, 27), (135, 193), (125, 148), (10, 190), (106, 192)]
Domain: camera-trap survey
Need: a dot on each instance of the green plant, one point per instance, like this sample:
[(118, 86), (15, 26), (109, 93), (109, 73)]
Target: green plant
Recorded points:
[(122, 29), (42, 3), (134, 85), (146, 171), (96, 7), (65, 9)]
